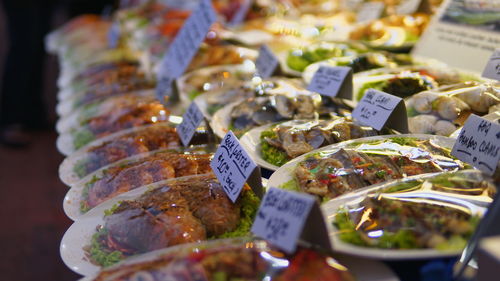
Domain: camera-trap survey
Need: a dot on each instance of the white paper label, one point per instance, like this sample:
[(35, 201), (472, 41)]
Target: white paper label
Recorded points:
[(185, 45), (352, 5), (266, 63), (375, 108), (114, 35), (370, 11), (281, 217), (329, 81), (408, 7), (479, 144), (492, 69), (232, 165), (190, 121), (242, 12)]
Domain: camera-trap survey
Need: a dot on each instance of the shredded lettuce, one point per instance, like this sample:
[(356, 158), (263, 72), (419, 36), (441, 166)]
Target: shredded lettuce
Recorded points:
[(270, 153), (291, 185), (249, 206), (80, 168), (99, 253), (82, 137)]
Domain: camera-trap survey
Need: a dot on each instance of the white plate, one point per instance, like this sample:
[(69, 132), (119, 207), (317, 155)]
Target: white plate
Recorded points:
[(285, 173), (330, 208), (221, 120), (361, 269), (80, 233), (251, 143)]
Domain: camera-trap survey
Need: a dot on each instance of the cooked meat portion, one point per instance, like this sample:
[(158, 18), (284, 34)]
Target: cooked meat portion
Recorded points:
[(148, 139), (147, 170), (137, 227), (182, 211), (127, 117)]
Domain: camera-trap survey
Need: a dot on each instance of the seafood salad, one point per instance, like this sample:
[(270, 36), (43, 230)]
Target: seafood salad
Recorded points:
[(329, 174), (287, 140), (218, 98), (403, 84), (392, 31), (364, 61), (156, 167), (298, 59), (391, 223), (179, 211), (230, 259), (260, 111), (441, 111), (214, 78)]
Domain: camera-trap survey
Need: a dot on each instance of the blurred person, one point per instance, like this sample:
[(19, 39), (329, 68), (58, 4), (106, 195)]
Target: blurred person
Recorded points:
[(21, 103)]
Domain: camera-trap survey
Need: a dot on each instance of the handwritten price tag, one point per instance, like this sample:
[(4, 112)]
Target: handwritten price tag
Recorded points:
[(114, 35), (492, 69), (408, 7), (378, 109), (232, 165), (266, 63), (332, 81), (184, 47), (190, 121), (479, 144), (370, 11), (282, 216), (242, 12)]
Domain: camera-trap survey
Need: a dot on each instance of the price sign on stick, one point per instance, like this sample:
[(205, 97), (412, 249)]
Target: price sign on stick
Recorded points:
[(492, 69), (378, 109), (114, 35), (408, 7), (332, 81), (285, 216), (266, 62), (190, 121), (233, 167), (242, 12), (370, 11), (479, 144), (184, 47)]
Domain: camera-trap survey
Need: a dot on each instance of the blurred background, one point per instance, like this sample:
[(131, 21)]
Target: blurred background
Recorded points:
[(31, 217)]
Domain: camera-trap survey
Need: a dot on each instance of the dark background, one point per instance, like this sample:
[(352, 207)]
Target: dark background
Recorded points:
[(32, 220)]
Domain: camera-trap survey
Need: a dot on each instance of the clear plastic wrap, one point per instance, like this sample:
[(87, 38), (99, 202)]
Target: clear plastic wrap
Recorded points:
[(443, 110), (167, 213), (229, 259), (212, 101), (297, 59), (345, 167), (129, 114), (282, 142), (393, 33), (102, 91), (132, 173), (102, 73), (418, 217), (121, 145), (361, 62), (85, 114), (214, 78), (242, 116)]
